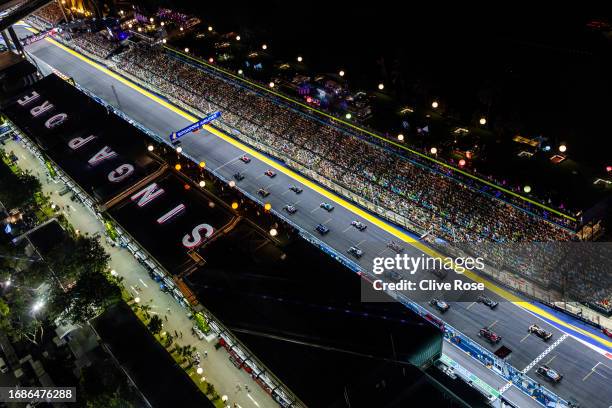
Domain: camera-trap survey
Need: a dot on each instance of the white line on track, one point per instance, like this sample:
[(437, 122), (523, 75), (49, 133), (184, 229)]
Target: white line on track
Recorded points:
[(545, 353), (141, 281), (525, 338), (470, 305)]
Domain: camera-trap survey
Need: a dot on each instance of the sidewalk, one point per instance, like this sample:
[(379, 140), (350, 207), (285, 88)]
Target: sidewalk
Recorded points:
[(236, 384)]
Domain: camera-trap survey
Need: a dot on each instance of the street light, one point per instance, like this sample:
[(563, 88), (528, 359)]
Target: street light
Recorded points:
[(150, 148), (483, 121), (400, 137), (527, 189), (37, 306), (181, 28), (114, 272), (210, 28), (237, 38), (435, 104), (273, 232), (348, 116), (199, 370), (162, 24), (234, 205), (461, 163), (264, 47), (179, 149), (164, 41), (239, 72), (151, 20), (341, 73), (202, 164), (232, 183), (381, 86), (433, 150), (267, 206), (211, 60), (186, 49), (563, 148), (299, 59), (271, 84), (202, 183), (137, 299), (178, 167)]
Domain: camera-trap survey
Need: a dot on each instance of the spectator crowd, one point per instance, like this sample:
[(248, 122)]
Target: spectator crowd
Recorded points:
[(430, 197)]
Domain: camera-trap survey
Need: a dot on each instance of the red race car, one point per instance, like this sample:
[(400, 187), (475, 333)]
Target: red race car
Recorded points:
[(491, 336)]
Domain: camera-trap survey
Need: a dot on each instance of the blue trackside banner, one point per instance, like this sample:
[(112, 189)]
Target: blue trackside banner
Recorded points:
[(194, 126)]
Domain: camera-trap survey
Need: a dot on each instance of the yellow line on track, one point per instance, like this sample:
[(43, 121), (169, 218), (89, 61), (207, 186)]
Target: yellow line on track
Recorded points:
[(332, 196)]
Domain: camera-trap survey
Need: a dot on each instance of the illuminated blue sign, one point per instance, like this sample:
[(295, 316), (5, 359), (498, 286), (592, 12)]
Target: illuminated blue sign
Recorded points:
[(194, 126)]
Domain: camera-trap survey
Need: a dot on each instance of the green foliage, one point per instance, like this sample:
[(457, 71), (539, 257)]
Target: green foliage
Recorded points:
[(201, 323), (155, 325), (17, 190)]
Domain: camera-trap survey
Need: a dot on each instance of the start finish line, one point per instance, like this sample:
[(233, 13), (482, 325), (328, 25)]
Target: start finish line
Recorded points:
[(195, 126)]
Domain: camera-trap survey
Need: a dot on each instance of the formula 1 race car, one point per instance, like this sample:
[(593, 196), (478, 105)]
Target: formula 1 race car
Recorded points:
[(394, 246), (245, 159), (239, 176), (359, 225), (290, 209), (326, 206), (549, 374), (295, 189), (540, 332), (270, 173), (356, 252), (263, 192), (489, 335), (322, 229), (487, 301), (441, 305)]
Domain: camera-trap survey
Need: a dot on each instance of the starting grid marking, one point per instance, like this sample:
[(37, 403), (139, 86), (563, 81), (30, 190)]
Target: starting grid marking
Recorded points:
[(545, 353)]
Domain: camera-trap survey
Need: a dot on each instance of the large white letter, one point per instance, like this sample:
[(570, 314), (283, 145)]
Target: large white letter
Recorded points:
[(189, 242), (120, 173), (104, 154), (27, 99), (38, 110), (55, 120), (78, 142), (172, 213), (147, 194)]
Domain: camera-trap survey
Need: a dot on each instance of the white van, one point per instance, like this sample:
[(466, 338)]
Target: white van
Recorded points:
[(3, 367)]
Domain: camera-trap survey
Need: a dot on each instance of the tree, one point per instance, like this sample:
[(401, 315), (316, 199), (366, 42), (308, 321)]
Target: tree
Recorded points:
[(17, 191), (91, 294), (155, 325), (5, 316), (109, 400)]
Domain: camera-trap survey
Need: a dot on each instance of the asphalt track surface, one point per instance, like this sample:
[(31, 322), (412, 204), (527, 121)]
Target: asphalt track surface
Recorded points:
[(587, 372)]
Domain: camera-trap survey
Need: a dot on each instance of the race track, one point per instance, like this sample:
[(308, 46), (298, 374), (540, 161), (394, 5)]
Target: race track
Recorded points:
[(587, 372)]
